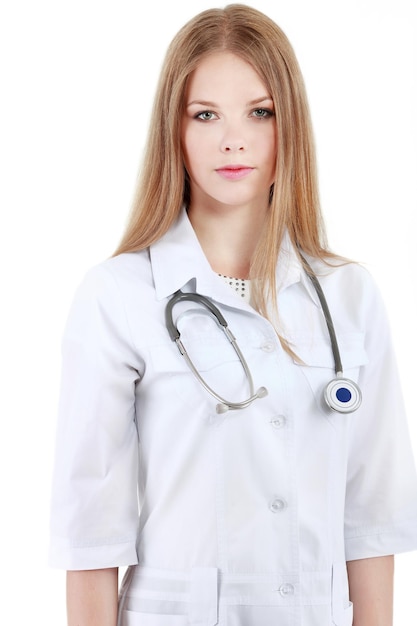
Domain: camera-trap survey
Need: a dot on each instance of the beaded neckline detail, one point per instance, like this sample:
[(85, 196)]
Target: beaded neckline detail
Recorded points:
[(239, 285)]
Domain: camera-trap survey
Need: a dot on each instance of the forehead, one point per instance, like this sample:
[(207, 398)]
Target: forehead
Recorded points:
[(225, 73)]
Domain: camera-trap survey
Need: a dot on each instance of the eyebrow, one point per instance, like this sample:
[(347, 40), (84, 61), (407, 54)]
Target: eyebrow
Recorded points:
[(207, 103)]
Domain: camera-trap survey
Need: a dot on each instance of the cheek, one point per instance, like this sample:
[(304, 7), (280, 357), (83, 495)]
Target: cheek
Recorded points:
[(273, 151), (185, 144), (269, 150), (190, 149), (273, 144), (266, 140), (197, 150)]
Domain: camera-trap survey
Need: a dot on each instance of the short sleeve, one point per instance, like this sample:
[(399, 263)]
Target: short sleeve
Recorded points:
[(381, 496), (94, 507)]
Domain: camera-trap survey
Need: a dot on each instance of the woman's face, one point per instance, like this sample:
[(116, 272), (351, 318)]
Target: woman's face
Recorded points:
[(228, 134)]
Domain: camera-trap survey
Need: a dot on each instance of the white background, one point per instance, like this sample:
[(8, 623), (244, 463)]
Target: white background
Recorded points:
[(77, 81)]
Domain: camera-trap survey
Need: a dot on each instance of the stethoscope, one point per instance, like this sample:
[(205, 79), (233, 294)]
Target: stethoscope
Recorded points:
[(340, 394)]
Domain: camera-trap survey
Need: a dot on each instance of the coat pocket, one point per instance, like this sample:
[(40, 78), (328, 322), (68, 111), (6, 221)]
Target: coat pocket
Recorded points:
[(345, 617), (133, 618), (342, 608), (212, 356), (318, 364)]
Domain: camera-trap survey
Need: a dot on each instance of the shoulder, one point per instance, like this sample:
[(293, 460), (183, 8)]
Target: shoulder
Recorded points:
[(349, 288), (133, 266), (107, 280), (346, 277), (104, 289)]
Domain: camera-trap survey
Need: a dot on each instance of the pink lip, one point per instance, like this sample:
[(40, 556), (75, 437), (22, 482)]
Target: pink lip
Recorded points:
[(234, 172)]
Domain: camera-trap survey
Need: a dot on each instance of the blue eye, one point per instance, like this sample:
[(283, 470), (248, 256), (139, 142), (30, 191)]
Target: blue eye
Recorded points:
[(262, 113), (205, 116)]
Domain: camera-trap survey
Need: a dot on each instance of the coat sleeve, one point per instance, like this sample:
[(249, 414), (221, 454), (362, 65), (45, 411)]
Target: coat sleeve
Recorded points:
[(381, 496), (94, 509)]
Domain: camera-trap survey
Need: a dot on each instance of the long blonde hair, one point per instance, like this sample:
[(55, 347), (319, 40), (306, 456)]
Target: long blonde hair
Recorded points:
[(163, 187)]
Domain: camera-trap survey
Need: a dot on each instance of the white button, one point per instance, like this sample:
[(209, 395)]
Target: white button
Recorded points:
[(278, 421), (287, 589), (268, 346), (277, 505)]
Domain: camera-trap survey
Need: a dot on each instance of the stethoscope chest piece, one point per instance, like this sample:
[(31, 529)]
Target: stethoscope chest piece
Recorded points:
[(343, 395)]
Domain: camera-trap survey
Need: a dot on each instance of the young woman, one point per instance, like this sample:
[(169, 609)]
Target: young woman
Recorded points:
[(254, 474)]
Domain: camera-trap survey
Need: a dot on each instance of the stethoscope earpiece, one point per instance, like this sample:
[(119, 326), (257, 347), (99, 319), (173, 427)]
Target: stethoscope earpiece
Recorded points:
[(223, 407), (343, 395)]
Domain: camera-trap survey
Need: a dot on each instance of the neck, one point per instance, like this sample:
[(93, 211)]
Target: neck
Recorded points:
[(228, 237)]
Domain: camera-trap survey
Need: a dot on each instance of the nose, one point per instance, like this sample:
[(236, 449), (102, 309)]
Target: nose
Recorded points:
[(233, 148), (233, 140)]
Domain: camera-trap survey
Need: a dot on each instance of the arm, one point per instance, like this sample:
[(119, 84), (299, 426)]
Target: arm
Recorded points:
[(94, 503), (371, 590), (92, 597)]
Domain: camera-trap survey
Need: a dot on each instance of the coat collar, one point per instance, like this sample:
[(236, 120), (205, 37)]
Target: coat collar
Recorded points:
[(178, 262)]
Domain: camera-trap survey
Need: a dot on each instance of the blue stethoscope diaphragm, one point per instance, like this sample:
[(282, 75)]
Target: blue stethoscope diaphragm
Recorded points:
[(343, 395)]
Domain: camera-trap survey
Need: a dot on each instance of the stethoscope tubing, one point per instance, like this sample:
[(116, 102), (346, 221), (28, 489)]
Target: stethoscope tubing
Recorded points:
[(175, 335), (341, 394), (338, 367), (339, 387)]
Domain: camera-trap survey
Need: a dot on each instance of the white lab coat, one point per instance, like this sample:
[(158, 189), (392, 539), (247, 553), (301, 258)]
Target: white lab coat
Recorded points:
[(246, 518)]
